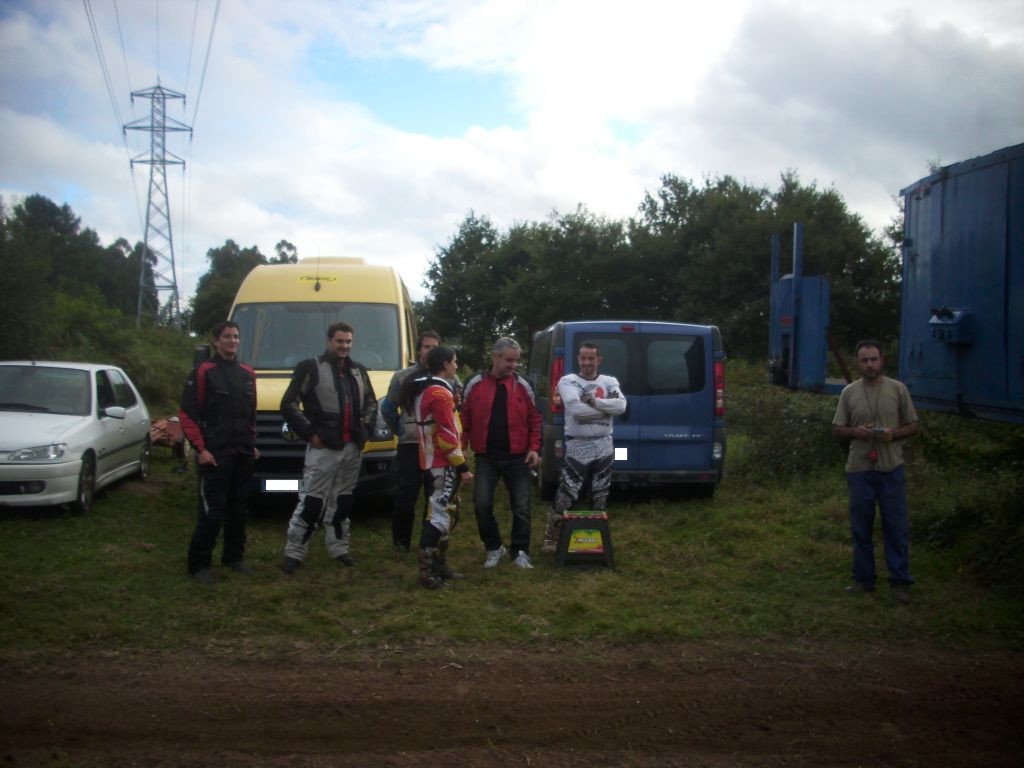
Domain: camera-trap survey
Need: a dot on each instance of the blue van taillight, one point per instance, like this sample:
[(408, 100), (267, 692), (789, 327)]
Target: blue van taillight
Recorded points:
[(557, 371), (719, 388)]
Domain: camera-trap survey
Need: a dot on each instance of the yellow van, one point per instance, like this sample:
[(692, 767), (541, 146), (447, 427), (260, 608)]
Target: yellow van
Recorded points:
[(283, 311)]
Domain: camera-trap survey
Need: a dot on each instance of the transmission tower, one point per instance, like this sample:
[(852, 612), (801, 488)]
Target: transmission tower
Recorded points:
[(159, 245)]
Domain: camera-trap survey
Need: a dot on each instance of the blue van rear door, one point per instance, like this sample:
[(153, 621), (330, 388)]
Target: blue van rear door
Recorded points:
[(664, 371), (676, 411)]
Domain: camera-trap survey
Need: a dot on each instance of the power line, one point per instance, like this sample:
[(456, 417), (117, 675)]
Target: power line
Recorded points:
[(102, 60), (206, 60), (124, 52), (191, 46)]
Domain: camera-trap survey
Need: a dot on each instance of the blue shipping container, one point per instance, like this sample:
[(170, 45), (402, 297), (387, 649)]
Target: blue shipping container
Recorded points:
[(962, 326)]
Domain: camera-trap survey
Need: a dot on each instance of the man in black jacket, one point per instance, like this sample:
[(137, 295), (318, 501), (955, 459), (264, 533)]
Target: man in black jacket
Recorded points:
[(218, 416), (338, 414)]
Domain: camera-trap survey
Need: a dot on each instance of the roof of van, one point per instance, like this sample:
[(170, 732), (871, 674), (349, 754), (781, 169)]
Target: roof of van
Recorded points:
[(326, 278)]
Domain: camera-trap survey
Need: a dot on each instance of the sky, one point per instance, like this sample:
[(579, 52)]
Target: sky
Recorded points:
[(374, 127)]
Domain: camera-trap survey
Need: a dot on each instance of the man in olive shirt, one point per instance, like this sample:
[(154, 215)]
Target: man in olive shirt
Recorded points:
[(875, 414)]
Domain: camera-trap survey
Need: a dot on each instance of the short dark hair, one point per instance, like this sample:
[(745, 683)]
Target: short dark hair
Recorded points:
[(344, 327), (438, 357), (869, 343), (427, 335), (218, 329), (589, 345)]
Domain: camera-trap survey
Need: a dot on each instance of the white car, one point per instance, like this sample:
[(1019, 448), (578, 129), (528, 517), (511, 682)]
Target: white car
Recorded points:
[(67, 430)]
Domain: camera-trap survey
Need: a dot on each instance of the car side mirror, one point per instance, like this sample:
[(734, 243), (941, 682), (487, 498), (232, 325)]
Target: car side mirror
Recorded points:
[(115, 412)]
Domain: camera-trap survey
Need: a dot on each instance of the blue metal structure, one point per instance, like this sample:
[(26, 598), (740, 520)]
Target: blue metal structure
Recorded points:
[(962, 327), (798, 324)]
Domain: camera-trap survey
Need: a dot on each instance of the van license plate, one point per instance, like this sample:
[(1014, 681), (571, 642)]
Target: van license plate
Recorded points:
[(280, 485)]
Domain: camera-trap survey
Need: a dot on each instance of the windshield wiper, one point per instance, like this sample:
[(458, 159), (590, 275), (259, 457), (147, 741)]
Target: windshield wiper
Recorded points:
[(24, 407)]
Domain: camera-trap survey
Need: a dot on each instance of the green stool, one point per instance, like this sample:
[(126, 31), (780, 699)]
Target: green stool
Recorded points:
[(584, 537)]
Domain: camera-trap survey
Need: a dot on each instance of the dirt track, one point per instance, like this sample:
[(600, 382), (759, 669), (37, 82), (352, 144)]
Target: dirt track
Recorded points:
[(679, 705)]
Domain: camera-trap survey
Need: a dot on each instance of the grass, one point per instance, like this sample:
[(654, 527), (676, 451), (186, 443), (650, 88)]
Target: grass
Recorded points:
[(766, 558)]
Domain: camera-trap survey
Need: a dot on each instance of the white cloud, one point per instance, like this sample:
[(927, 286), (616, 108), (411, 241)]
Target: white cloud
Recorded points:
[(611, 96)]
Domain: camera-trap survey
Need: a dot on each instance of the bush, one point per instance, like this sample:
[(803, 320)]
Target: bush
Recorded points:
[(966, 481), (80, 328), (777, 434)]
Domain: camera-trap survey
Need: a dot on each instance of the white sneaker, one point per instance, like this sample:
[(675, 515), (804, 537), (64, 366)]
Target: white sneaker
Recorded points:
[(494, 556), (522, 561)]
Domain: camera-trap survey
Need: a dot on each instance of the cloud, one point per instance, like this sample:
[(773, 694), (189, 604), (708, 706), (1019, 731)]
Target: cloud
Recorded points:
[(597, 101)]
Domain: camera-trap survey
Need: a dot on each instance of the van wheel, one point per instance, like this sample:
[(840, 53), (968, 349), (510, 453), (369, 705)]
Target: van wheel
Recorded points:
[(704, 491), (86, 486)]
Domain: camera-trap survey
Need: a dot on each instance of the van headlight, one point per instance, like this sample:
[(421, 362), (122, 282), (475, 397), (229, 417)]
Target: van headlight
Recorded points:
[(50, 452), (382, 433)]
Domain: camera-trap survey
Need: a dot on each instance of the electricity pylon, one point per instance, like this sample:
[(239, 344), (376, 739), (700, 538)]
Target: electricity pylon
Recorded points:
[(157, 239)]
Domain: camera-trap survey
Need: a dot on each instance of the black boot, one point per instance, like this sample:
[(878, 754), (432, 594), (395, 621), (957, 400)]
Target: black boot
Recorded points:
[(441, 567), (429, 577)]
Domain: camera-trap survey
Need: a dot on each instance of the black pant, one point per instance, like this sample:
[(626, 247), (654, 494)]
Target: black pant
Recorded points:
[(411, 479), (223, 501)]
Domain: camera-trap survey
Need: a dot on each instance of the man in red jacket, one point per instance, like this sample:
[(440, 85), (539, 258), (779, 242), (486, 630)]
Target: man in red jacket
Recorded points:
[(502, 425)]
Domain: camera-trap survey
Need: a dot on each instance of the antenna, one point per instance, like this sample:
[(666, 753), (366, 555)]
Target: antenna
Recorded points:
[(158, 250)]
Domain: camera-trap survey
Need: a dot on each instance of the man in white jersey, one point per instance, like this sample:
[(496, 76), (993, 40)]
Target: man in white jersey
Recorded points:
[(591, 400)]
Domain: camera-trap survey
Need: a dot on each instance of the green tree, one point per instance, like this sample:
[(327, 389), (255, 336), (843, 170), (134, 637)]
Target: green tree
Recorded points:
[(467, 282), (863, 269), (216, 289), (568, 268), (286, 253)]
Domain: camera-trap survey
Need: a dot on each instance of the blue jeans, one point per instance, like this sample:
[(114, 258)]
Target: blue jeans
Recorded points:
[(889, 491), (516, 474)]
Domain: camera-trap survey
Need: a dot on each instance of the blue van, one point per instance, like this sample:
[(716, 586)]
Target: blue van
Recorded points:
[(673, 377)]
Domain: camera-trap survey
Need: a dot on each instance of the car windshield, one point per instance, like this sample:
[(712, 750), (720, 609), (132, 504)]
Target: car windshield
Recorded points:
[(281, 335), (44, 389)]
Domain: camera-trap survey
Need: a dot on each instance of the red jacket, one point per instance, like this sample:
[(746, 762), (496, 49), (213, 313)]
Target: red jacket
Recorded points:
[(524, 420)]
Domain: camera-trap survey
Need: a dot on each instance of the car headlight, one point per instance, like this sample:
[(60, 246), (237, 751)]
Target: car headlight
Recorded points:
[(40, 453)]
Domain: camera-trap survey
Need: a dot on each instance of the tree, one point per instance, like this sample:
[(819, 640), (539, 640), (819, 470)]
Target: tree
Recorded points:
[(466, 281), (216, 289), (286, 253), (568, 268)]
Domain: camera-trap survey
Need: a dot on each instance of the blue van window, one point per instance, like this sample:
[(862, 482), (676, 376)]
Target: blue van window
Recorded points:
[(674, 365), (614, 352)]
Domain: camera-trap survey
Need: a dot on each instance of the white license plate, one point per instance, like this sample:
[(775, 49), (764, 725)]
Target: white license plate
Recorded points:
[(280, 485)]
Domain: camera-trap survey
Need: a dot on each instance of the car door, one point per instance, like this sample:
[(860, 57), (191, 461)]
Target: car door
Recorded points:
[(134, 426), (110, 433)]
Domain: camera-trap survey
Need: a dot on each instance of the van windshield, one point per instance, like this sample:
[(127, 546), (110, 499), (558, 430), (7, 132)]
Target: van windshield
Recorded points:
[(279, 335)]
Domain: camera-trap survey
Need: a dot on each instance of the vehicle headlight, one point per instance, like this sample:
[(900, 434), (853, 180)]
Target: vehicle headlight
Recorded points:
[(40, 453)]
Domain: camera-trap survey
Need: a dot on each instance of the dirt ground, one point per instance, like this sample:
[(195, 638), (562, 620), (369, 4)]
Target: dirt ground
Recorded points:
[(715, 705)]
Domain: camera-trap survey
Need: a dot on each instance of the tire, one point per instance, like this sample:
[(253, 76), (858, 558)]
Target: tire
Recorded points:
[(704, 491), (86, 486), (145, 461)]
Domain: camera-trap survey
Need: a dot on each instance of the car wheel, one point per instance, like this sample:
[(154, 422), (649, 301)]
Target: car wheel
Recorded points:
[(86, 486), (145, 460)]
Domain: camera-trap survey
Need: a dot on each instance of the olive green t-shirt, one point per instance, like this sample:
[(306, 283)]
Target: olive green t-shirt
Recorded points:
[(886, 404)]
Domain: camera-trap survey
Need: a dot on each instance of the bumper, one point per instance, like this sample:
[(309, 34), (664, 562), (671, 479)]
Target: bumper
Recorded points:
[(38, 485), (673, 477), (377, 475)]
